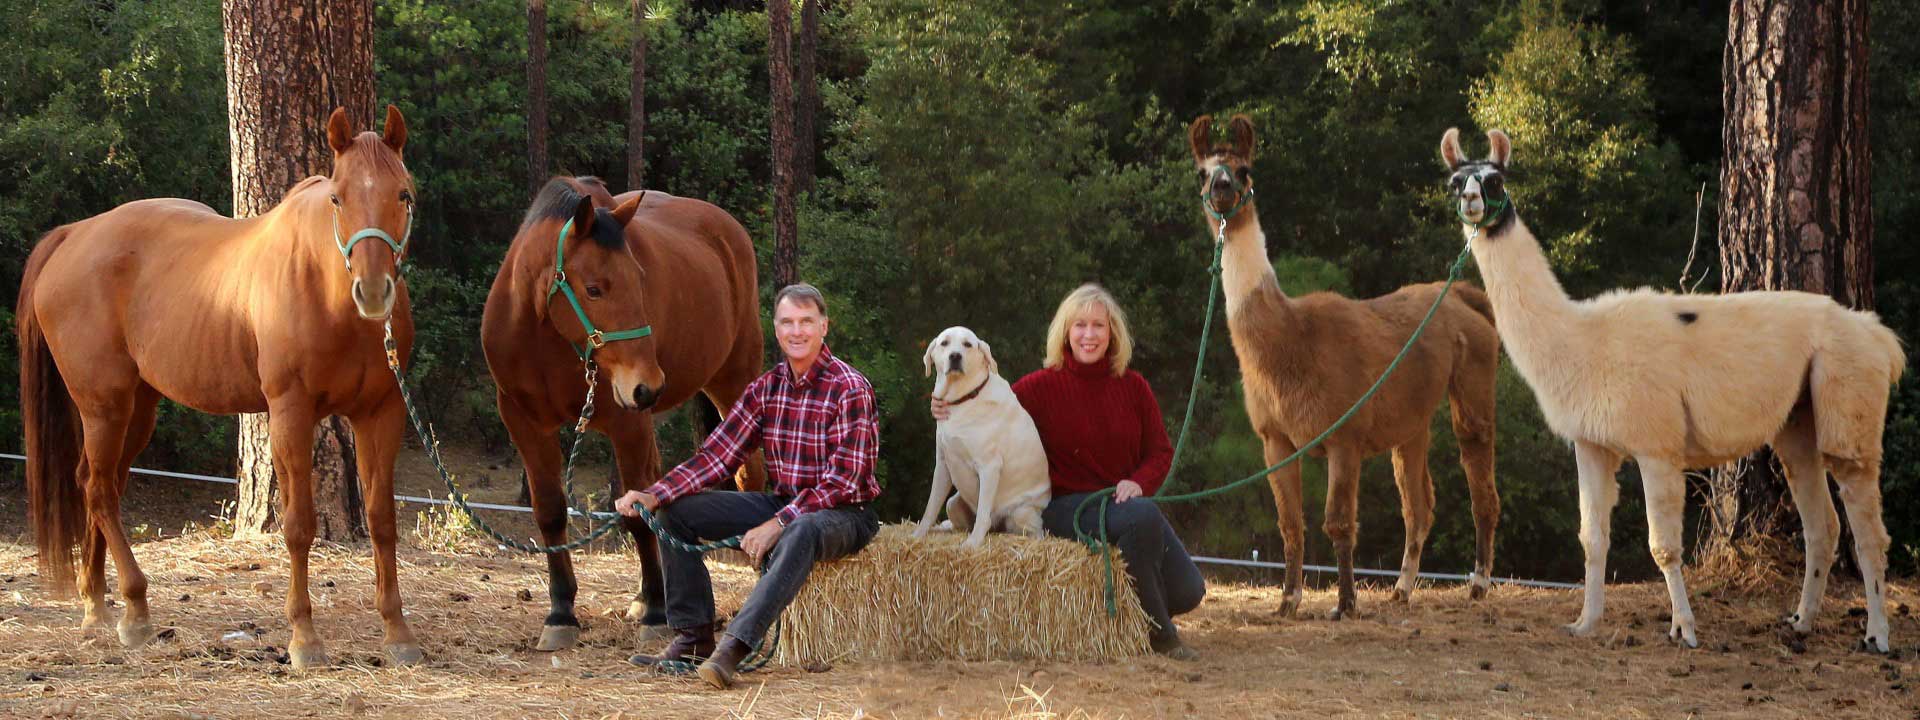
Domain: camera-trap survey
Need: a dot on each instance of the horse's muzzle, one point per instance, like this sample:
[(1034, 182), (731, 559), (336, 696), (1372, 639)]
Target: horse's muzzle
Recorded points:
[(374, 306)]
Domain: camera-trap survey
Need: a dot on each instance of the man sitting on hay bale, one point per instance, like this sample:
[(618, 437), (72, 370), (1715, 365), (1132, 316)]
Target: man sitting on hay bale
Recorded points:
[(814, 417)]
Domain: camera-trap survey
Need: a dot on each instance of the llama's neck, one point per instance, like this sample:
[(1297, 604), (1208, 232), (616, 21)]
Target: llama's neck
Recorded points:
[(1246, 275), (1531, 309)]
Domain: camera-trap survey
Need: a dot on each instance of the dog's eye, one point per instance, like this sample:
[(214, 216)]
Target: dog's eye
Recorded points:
[(969, 343)]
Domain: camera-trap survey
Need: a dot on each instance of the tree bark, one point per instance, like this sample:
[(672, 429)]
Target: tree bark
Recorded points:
[(637, 102), (779, 72), (289, 64), (807, 101), (1795, 206), (536, 95)]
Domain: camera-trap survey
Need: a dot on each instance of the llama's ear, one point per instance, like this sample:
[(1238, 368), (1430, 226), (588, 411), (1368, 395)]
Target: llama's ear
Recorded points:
[(1200, 138), (987, 350), (1450, 149), (624, 213), (394, 134), (1241, 128), (339, 131), (1500, 148)]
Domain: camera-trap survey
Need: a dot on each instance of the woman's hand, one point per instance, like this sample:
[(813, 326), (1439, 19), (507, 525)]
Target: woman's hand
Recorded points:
[(1127, 490), (940, 411)]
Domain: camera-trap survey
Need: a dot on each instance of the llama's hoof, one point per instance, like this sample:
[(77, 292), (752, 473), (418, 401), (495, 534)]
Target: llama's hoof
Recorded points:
[(1476, 591), (1875, 645), (1289, 606), (308, 657), (1578, 629), (403, 654), (1800, 623), (1344, 611), (1403, 596), (135, 635), (1684, 636), (558, 637)]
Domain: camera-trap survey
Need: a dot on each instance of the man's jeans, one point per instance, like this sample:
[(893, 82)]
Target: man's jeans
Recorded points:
[(717, 514)]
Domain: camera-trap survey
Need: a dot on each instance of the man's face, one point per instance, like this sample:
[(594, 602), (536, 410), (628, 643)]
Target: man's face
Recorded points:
[(800, 329)]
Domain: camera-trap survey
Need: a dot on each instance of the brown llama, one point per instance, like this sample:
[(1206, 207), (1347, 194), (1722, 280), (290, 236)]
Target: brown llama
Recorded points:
[(1305, 360)]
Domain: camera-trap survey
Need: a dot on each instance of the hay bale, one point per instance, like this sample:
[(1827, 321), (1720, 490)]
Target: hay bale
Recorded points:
[(1013, 598)]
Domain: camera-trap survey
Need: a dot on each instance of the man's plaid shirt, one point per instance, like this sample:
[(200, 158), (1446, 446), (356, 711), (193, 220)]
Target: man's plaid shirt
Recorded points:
[(819, 433)]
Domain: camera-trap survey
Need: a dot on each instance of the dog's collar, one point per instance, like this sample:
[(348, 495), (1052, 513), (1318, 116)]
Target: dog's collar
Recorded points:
[(971, 395)]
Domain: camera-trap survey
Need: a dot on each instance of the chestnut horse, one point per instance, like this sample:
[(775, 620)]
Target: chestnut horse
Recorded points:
[(279, 313), (680, 269)]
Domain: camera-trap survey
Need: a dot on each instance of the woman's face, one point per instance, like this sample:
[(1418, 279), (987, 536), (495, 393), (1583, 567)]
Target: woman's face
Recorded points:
[(1090, 334)]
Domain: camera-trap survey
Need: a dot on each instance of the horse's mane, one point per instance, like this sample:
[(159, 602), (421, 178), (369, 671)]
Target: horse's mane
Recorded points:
[(558, 200)]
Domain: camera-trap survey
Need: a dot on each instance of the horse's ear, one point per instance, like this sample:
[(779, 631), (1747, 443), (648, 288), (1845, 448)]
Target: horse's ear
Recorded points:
[(1241, 128), (624, 213), (340, 131), (1200, 138), (583, 217), (1450, 149), (1500, 149), (395, 133)]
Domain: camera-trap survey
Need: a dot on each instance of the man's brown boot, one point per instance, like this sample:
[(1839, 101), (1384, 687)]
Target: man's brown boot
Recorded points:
[(718, 670), (689, 645)]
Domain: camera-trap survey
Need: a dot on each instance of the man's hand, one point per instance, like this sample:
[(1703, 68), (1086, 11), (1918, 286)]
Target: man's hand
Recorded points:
[(625, 505), (761, 539), (940, 411), (1127, 490)]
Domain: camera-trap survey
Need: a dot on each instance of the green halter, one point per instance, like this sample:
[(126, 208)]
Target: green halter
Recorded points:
[(1243, 195), (596, 339), (346, 248)]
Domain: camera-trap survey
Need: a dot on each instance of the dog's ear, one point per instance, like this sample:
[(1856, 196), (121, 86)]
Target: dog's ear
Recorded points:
[(987, 350), (928, 358)]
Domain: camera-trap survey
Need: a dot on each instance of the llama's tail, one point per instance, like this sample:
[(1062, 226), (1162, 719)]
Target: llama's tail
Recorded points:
[(1889, 344), (1475, 298), (56, 505)]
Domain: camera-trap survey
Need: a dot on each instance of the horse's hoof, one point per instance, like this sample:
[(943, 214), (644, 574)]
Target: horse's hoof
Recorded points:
[(135, 635), (309, 657), (650, 633), (637, 612), (95, 625), (558, 637), (1289, 605), (1477, 592), (1403, 596), (403, 655)]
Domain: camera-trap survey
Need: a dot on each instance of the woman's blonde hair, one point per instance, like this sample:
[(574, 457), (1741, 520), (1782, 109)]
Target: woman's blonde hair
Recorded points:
[(1120, 342)]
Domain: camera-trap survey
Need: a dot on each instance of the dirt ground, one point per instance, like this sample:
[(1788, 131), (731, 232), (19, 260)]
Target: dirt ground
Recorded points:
[(477, 612)]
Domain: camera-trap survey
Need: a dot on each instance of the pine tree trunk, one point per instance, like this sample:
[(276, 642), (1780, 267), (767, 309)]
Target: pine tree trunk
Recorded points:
[(289, 64), (785, 224), (1795, 206), (536, 95), (807, 98), (637, 102)]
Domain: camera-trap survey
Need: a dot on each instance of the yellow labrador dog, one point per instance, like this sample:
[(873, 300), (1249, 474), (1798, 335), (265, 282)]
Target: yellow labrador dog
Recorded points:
[(987, 448)]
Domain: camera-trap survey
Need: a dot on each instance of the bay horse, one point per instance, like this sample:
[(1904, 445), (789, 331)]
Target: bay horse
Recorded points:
[(277, 313), (682, 269)]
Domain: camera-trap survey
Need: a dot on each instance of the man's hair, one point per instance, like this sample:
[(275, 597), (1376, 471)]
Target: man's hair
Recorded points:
[(802, 294)]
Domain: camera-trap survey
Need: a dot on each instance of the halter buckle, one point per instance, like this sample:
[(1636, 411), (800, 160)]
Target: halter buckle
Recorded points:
[(596, 339)]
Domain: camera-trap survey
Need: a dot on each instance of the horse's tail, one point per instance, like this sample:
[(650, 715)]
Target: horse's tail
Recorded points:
[(1475, 298), (56, 504)]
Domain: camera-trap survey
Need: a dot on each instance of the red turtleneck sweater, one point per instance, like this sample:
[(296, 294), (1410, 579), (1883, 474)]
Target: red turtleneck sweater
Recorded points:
[(1098, 429)]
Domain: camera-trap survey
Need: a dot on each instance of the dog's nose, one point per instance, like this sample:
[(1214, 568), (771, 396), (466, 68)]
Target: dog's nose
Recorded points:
[(953, 361)]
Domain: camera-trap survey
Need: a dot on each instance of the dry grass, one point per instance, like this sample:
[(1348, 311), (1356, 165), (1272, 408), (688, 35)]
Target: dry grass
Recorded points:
[(1012, 598), (478, 613)]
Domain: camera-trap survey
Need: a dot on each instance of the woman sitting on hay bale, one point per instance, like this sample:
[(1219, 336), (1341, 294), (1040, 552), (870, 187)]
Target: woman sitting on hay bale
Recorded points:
[(1102, 429)]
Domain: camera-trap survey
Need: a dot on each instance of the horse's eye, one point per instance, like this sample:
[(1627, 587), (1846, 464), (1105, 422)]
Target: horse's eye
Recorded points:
[(594, 292), (335, 199), (406, 196)]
